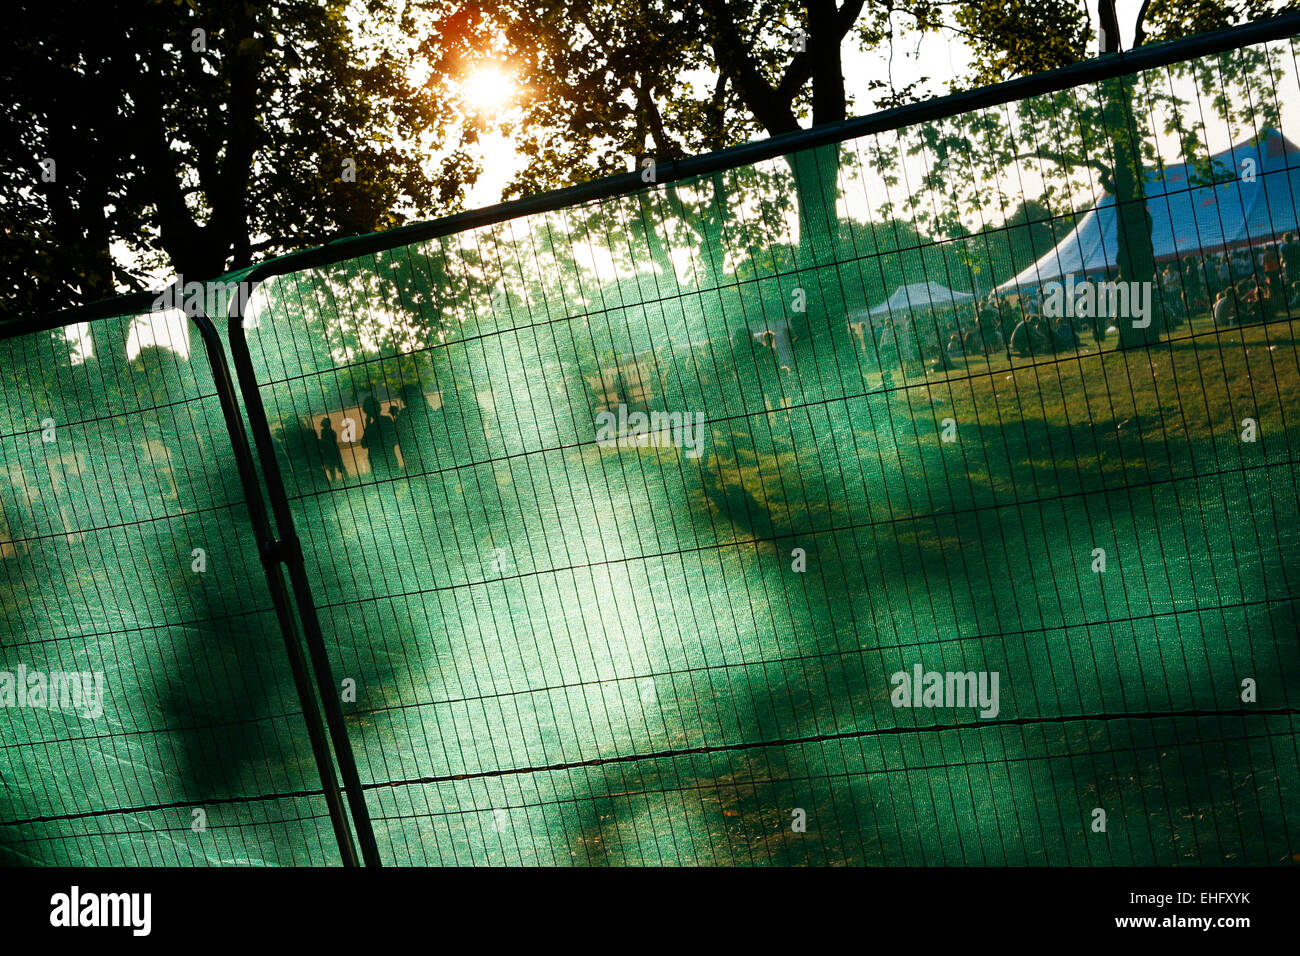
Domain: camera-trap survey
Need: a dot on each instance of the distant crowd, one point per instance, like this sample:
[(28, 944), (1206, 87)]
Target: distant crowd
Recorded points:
[(392, 437), (1235, 287)]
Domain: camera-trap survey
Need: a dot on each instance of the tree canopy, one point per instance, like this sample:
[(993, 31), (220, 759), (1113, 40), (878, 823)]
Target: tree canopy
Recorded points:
[(199, 136)]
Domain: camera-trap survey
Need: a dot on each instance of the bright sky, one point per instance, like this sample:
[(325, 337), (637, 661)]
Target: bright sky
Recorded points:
[(934, 61), (941, 58), (945, 57)]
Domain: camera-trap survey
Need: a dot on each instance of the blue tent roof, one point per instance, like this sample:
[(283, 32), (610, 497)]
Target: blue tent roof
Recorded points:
[(1186, 220)]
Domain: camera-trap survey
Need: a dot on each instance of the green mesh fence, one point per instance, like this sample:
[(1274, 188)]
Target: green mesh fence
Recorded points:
[(150, 717), (660, 530)]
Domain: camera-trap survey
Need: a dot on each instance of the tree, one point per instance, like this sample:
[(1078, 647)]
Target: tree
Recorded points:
[(609, 83), (1030, 223), (1108, 133), (196, 136)]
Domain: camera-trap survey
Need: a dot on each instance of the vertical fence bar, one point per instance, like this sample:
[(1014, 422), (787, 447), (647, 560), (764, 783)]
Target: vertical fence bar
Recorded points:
[(267, 550), (289, 551)]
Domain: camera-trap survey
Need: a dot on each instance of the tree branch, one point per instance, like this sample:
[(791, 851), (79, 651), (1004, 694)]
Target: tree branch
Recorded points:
[(1108, 26), (734, 60), (1139, 28), (1064, 160)]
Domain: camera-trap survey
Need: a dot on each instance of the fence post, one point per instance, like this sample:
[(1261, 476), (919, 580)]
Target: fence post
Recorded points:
[(279, 597), (289, 552)]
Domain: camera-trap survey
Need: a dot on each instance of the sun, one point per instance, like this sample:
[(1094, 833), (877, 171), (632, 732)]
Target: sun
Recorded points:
[(489, 88)]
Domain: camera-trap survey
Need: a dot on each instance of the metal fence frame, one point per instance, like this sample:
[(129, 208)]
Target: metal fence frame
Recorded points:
[(277, 541)]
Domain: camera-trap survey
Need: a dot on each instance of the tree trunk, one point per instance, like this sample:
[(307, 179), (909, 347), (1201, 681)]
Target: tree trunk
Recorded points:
[(822, 330), (816, 180), (651, 228), (1135, 253)]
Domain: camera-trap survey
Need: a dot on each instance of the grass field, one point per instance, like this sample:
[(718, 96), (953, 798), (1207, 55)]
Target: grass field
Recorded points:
[(647, 639), (567, 653)]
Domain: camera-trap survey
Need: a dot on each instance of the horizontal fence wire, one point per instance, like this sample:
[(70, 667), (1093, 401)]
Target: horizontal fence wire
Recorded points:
[(772, 515), (146, 713)]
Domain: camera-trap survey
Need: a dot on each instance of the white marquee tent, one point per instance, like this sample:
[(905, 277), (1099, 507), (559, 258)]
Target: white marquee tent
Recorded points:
[(920, 295)]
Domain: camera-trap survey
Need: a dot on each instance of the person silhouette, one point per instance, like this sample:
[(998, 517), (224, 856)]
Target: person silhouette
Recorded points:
[(391, 433), (377, 437), (769, 372), (331, 457), (414, 429)]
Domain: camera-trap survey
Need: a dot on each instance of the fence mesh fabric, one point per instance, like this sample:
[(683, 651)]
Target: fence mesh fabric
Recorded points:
[(150, 716), (634, 525)]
